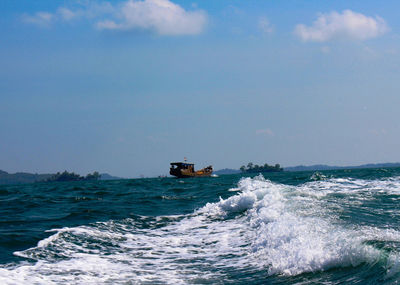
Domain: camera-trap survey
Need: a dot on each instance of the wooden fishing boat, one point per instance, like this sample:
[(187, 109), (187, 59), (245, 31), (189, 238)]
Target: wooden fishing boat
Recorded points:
[(185, 170)]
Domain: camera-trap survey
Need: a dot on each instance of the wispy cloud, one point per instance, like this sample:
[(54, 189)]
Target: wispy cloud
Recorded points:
[(67, 14), (267, 132), (345, 25), (265, 26), (162, 17), (41, 19), (325, 49), (46, 19), (378, 132)]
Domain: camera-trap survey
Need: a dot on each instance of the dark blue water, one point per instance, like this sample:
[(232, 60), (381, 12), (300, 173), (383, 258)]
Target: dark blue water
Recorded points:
[(330, 227)]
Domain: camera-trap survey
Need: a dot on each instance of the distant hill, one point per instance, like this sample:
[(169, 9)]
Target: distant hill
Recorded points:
[(226, 171), (328, 167), (21, 177), (106, 176)]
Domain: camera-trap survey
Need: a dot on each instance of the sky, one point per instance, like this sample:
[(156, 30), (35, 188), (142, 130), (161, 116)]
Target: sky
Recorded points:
[(126, 87)]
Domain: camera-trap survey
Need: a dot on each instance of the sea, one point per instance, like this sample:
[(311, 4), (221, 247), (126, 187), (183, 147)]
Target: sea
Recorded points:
[(328, 227)]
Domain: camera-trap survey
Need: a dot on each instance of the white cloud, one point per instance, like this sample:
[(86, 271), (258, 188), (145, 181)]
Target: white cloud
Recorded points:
[(88, 10), (267, 132), (67, 14), (265, 26), (41, 19), (347, 25), (160, 16)]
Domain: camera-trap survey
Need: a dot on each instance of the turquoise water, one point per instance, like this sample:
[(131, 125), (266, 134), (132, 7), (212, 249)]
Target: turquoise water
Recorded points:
[(329, 227)]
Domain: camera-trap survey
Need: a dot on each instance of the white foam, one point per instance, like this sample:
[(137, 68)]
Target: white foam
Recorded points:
[(293, 233), (349, 185), (393, 265), (266, 226)]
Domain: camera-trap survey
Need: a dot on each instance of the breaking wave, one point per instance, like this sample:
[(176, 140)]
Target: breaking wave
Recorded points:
[(269, 228)]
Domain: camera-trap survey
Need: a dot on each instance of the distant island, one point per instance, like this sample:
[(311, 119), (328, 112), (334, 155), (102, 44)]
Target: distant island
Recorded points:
[(71, 176), (316, 167), (255, 168), (23, 177)]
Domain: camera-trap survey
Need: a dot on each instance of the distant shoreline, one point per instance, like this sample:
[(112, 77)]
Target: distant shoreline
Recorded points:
[(24, 177), (317, 167)]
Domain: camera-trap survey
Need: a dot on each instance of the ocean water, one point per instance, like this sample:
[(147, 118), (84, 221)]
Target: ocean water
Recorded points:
[(329, 227)]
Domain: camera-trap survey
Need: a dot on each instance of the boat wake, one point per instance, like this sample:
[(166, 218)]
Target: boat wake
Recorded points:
[(267, 228)]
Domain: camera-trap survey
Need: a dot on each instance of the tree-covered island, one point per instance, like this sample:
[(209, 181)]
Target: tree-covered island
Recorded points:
[(71, 176), (254, 168)]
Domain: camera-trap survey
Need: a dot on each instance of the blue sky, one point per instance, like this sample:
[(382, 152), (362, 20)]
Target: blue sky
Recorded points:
[(126, 87)]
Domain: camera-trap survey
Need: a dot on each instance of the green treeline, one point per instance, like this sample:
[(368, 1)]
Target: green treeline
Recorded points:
[(251, 168), (71, 176), (21, 177)]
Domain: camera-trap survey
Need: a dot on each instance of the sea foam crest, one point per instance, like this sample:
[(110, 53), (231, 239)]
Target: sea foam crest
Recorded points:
[(293, 231), (390, 185)]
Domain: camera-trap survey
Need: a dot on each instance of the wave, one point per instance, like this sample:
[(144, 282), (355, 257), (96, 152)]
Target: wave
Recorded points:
[(294, 231), (275, 229)]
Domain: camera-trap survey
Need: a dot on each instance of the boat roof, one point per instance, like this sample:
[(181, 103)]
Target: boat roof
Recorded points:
[(181, 163)]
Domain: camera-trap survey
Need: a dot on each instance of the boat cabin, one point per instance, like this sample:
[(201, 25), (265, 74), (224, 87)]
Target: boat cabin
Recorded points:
[(184, 169), (182, 165)]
